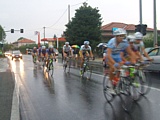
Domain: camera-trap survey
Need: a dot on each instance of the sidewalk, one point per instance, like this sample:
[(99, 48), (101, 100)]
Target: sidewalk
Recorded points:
[(8, 110)]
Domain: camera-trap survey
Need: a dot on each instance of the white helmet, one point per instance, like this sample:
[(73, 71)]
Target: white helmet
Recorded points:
[(51, 46), (86, 42), (43, 47), (131, 38), (66, 43), (119, 31), (138, 36)]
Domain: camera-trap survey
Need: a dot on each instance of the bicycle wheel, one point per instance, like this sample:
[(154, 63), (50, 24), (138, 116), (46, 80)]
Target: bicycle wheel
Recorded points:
[(145, 82), (126, 98), (88, 71), (51, 69), (107, 90), (64, 65), (69, 66), (135, 87)]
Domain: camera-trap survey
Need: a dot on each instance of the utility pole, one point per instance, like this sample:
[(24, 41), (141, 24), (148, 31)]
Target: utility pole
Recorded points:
[(155, 23), (140, 11), (68, 13), (44, 34)]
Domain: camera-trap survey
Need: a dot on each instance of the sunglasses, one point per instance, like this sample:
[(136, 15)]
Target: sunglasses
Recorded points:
[(122, 36)]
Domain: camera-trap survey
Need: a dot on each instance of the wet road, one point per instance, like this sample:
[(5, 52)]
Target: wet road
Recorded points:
[(68, 97)]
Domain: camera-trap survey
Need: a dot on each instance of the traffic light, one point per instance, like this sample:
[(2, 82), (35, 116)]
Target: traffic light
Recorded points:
[(141, 28), (138, 28), (21, 30), (12, 30)]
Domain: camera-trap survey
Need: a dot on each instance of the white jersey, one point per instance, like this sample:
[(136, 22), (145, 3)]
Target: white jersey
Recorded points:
[(66, 48), (83, 48)]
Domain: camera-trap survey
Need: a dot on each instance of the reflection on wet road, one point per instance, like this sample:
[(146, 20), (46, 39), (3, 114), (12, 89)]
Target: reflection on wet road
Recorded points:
[(68, 97)]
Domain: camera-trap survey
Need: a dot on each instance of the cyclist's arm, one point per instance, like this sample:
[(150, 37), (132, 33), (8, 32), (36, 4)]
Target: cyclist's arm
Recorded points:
[(81, 53), (91, 54), (122, 56), (131, 54), (145, 53)]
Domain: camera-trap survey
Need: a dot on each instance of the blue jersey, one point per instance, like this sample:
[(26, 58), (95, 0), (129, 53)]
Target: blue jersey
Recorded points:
[(43, 51), (34, 50), (116, 50), (49, 51)]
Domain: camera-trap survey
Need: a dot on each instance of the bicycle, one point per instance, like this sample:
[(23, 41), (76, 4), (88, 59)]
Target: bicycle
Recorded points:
[(121, 88), (67, 62), (34, 58), (50, 66), (86, 68)]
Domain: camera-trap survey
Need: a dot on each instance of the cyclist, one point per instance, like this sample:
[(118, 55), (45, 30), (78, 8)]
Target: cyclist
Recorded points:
[(67, 50), (50, 53), (115, 46), (34, 53), (85, 51), (139, 45), (43, 52)]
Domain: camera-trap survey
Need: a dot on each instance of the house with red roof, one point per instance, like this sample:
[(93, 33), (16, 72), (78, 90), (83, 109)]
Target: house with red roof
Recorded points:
[(22, 42), (130, 28)]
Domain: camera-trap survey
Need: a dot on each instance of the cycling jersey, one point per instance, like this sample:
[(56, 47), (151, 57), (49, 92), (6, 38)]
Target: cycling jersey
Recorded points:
[(66, 48), (137, 47), (49, 51), (85, 49), (117, 49), (34, 50)]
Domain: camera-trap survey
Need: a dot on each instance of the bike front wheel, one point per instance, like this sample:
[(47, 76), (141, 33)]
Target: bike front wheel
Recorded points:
[(107, 89), (51, 69)]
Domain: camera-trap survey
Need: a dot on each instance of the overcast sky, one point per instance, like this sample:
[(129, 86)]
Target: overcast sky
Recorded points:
[(33, 15)]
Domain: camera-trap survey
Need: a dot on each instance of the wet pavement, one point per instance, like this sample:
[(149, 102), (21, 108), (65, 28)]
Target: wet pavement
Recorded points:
[(68, 97)]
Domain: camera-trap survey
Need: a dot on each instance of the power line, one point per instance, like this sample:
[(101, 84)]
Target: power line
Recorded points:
[(58, 19)]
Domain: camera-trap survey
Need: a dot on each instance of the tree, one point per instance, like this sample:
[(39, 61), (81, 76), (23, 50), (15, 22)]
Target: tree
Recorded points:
[(2, 33), (84, 26), (148, 40)]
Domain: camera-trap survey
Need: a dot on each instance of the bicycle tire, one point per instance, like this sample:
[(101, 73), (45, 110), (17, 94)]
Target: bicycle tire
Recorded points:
[(106, 90), (88, 71), (126, 98), (135, 88), (51, 69), (69, 65), (145, 82)]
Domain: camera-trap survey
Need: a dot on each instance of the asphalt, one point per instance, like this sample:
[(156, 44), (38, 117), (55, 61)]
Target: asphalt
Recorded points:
[(9, 104)]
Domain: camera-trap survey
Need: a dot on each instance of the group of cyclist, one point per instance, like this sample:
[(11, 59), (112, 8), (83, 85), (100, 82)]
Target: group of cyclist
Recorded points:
[(124, 49), (121, 49)]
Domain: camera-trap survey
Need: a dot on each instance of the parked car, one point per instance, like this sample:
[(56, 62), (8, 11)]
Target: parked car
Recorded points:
[(16, 54), (155, 54), (148, 49)]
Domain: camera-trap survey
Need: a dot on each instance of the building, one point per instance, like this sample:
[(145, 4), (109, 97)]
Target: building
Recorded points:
[(22, 42), (53, 41), (130, 28)]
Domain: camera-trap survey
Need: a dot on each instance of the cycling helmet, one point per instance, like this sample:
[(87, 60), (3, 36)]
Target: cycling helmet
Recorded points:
[(51, 46), (131, 38), (34, 47), (66, 43), (119, 31), (86, 42), (43, 47), (138, 36)]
